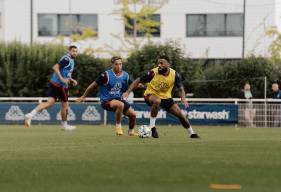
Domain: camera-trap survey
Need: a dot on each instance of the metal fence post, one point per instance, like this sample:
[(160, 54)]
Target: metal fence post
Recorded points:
[(104, 117)]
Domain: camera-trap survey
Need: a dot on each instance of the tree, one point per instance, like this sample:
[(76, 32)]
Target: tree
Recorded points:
[(275, 47), (82, 34), (138, 20)]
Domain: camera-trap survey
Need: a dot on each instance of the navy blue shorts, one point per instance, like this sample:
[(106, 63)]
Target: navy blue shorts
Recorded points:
[(165, 103), (106, 105), (58, 92)]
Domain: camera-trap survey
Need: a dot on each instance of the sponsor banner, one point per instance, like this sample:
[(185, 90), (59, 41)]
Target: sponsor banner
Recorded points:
[(212, 114), (13, 113), (201, 114)]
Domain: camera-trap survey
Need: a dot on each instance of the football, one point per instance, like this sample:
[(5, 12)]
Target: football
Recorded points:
[(144, 131)]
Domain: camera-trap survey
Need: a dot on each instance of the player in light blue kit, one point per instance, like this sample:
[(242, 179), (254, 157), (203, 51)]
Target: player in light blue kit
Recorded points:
[(112, 84), (58, 88)]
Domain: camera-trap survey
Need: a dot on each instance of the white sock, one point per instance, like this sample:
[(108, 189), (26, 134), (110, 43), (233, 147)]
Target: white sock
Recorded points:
[(152, 122), (118, 125), (33, 113), (64, 123), (190, 131)]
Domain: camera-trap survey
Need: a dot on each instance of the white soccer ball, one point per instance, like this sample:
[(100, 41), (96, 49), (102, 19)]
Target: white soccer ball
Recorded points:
[(144, 131)]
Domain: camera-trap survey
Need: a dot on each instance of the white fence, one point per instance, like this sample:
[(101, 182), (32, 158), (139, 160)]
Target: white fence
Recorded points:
[(251, 113)]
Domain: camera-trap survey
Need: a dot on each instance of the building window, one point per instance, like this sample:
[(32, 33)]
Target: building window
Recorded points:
[(195, 25), (47, 25), (65, 24), (234, 25), (154, 31), (213, 25)]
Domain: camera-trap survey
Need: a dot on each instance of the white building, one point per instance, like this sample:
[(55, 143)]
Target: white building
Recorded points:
[(205, 28)]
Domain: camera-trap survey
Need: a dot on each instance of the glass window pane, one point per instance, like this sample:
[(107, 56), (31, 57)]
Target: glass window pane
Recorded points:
[(47, 25), (195, 25), (86, 21), (156, 30), (215, 25), (234, 24), (129, 27), (68, 24)]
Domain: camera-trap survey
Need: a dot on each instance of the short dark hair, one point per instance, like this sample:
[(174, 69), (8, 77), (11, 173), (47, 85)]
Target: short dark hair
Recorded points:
[(72, 47), (164, 57), (114, 58)]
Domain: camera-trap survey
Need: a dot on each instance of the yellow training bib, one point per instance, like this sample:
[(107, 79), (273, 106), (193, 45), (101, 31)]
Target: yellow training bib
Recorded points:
[(161, 85)]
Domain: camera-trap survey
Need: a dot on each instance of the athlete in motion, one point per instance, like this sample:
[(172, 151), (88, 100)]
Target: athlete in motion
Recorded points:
[(58, 88), (112, 84), (160, 83)]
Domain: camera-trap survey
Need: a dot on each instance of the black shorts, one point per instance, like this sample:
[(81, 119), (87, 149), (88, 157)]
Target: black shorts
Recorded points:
[(58, 92), (165, 103), (106, 105)]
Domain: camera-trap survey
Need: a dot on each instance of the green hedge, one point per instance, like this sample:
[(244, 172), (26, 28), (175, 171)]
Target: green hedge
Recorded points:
[(220, 79), (234, 74), (145, 59), (26, 69)]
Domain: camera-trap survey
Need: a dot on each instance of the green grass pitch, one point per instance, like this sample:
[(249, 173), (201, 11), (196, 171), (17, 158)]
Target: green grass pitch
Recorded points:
[(44, 158)]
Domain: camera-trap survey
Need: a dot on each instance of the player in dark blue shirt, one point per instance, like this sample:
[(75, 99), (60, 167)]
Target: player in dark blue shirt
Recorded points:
[(58, 88), (112, 84), (276, 109)]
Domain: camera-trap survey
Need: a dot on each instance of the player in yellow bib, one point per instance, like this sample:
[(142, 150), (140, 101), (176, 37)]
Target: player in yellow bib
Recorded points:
[(160, 83)]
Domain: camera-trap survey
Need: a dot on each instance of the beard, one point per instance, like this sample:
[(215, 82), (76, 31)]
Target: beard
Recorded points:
[(162, 71)]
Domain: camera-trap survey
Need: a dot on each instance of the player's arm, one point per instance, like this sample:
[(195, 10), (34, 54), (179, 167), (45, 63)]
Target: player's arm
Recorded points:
[(63, 62), (102, 79), (179, 85), (56, 69), (139, 86), (133, 85), (73, 81), (90, 89), (145, 78)]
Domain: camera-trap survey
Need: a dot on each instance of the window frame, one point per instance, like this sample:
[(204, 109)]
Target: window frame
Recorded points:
[(58, 16), (205, 15)]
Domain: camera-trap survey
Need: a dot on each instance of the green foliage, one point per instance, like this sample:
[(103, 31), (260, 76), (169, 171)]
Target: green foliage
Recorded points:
[(275, 47), (145, 59), (232, 75), (140, 14), (220, 79), (86, 71), (142, 21), (25, 70)]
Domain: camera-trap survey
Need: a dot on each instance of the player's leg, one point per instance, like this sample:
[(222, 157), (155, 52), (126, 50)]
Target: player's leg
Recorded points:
[(154, 102), (175, 110), (118, 107), (63, 96), (64, 113), (28, 117), (131, 114), (53, 93)]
